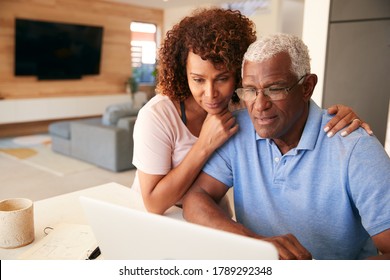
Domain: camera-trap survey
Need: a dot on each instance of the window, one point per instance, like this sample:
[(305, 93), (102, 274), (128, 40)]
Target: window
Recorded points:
[(143, 51)]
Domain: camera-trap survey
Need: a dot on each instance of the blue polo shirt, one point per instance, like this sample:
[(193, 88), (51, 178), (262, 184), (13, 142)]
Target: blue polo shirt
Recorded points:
[(331, 193)]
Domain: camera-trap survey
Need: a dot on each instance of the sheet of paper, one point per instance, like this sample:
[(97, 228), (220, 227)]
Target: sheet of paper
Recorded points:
[(64, 242)]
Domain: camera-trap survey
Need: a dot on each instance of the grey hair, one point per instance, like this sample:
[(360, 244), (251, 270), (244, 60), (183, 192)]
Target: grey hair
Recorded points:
[(268, 46)]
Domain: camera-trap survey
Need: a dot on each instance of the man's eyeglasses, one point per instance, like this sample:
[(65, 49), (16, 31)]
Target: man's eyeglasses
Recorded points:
[(272, 92)]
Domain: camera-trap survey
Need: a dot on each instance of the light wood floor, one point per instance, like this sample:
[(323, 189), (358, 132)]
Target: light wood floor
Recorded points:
[(21, 180)]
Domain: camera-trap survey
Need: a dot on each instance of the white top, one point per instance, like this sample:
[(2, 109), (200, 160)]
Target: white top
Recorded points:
[(161, 140)]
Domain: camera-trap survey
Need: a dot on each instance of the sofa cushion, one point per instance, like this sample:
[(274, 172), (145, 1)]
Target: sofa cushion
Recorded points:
[(116, 111), (60, 129)]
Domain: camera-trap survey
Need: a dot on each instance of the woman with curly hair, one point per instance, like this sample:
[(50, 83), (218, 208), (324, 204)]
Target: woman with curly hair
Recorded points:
[(199, 67)]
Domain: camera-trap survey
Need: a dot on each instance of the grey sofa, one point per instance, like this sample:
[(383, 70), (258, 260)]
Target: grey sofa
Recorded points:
[(106, 142)]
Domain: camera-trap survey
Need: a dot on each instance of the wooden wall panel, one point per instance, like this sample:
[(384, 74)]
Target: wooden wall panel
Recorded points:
[(115, 62)]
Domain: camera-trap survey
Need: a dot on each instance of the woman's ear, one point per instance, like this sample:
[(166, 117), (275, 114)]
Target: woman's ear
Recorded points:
[(309, 84)]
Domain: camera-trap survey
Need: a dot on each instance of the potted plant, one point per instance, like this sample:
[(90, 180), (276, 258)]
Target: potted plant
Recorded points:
[(131, 85)]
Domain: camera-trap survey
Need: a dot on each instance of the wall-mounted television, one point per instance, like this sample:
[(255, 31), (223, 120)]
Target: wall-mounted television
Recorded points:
[(56, 51)]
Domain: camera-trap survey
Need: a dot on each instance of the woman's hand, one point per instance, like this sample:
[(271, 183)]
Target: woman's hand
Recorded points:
[(216, 129), (344, 116)]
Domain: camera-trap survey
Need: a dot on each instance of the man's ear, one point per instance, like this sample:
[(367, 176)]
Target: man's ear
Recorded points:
[(309, 84)]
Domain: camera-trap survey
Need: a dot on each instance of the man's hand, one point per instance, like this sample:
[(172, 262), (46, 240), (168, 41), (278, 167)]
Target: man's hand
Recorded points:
[(289, 247)]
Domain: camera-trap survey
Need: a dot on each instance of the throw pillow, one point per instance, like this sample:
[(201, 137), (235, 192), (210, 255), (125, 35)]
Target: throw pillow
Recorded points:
[(116, 111)]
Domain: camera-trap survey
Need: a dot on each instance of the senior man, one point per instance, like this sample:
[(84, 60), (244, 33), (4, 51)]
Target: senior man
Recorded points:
[(310, 195)]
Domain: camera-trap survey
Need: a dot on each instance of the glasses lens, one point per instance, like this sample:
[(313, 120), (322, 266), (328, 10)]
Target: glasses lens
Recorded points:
[(276, 94), (246, 94)]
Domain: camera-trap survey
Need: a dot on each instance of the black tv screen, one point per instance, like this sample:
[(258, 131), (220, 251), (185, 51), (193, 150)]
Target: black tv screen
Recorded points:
[(52, 50)]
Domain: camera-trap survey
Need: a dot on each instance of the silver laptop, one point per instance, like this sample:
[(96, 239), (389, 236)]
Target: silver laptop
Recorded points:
[(125, 233)]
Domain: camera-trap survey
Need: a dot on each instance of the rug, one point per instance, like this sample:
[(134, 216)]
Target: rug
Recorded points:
[(20, 153), (35, 150)]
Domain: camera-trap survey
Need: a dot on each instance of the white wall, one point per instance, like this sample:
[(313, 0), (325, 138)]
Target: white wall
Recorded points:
[(314, 34), (174, 15), (266, 22), (292, 16), (269, 21)]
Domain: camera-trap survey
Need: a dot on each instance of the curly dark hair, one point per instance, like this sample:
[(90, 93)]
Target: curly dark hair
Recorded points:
[(218, 35)]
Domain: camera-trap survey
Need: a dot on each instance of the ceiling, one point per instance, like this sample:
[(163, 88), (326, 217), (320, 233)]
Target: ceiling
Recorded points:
[(161, 4)]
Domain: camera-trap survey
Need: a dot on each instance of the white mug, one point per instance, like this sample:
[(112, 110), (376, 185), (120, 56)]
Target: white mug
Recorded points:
[(16, 222)]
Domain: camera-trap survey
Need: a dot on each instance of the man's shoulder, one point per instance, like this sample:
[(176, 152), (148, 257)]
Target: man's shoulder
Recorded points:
[(240, 112), (246, 131), (357, 141), (320, 118), (242, 116)]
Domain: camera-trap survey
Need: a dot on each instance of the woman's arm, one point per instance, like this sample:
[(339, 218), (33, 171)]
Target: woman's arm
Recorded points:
[(160, 192), (344, 116)]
